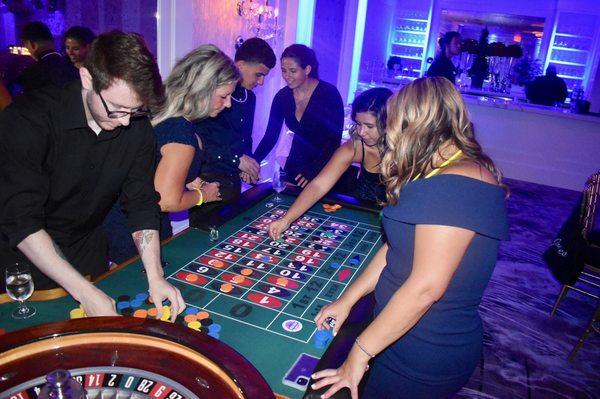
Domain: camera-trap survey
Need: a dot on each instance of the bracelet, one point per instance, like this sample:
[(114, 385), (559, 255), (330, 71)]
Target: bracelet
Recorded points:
[(362, 348), (201, 199)]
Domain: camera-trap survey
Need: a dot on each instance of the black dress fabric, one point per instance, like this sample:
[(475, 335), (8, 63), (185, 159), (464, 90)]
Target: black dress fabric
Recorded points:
[(316, 135), (369, 185)]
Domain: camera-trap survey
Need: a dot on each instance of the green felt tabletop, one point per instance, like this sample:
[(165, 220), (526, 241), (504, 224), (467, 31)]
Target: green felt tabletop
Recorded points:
[(271, 331)]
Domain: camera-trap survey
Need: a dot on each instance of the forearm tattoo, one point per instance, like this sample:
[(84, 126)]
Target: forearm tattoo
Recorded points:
[(142, 239), (59, 252)]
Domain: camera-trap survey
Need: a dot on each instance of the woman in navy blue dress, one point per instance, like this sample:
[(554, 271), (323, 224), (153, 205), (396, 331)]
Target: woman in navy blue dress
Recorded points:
[(444, 220), (199, 86)]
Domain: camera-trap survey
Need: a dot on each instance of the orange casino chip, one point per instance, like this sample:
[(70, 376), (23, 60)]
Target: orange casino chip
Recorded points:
[(152, 312), (202, 315), (141, 313), (191, 277), (246, 272), (282, 281), (238, 279), (226, 287), (190, 317)]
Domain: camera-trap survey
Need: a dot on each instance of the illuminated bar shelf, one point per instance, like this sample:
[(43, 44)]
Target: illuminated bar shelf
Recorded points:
[(409, 36), (571, 46)]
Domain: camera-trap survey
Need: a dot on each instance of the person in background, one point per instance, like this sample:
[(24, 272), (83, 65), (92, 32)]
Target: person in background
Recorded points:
[(365, 146), (547, 90), (50, 68), (227, 138), (77, 149), (442, 64), (444, 220), (77, 43), (311, 108)]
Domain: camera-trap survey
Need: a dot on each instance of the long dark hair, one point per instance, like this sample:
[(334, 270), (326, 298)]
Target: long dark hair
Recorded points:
[(445, 40), (373, 101)]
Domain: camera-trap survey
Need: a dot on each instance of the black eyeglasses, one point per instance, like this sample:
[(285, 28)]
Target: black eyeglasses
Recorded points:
[(138, 113)]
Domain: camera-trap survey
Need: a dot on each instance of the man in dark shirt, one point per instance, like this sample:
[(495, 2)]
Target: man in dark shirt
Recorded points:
[(66, 155), (50, 68), (227, 138), (442, 65), (547, 90)]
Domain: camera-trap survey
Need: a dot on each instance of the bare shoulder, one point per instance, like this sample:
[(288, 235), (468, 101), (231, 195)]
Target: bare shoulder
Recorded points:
[(350, 150), (472, 169)]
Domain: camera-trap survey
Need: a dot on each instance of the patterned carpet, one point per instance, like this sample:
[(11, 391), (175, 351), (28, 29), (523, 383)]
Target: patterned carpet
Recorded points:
[(525, 351)]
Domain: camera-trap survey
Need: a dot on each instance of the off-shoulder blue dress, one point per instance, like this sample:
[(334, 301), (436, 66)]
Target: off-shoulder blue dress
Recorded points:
[(436, 357)]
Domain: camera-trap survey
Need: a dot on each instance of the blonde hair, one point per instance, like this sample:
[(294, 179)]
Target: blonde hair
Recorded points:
[(193, 81), (421, 117)]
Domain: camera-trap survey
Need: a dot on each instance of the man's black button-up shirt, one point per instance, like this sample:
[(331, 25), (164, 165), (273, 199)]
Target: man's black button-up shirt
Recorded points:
[(59, 175), (228, 136)]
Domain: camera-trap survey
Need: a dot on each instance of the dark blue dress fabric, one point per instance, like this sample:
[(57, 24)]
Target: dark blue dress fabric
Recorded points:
[(436, 357), (120, 242), (181, 131)]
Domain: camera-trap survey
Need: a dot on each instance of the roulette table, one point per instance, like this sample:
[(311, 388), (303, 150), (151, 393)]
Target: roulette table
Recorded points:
[(246, 295), (114, 357)]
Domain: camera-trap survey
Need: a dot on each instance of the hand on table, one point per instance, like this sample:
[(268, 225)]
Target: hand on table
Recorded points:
[(277, 228), (97, 303), (211, 191), (301, 181), (246, 178), (249, 166), (337, 310), (348, 375), (160, 290)]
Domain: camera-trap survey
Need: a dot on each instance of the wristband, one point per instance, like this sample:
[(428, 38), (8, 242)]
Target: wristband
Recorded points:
[(201, 199), (357, 342)]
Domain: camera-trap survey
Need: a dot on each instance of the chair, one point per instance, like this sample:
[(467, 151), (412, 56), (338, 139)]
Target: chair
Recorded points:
[(590, 275)]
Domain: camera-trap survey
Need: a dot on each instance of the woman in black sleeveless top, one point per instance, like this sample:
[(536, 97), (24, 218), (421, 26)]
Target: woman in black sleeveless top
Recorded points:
[(367, 138)]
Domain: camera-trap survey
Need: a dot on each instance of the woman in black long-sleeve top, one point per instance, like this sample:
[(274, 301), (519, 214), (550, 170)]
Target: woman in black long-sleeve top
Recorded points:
[(311, 108)]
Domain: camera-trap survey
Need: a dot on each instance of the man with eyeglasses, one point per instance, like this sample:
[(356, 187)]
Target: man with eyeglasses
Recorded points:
[(65, 157)]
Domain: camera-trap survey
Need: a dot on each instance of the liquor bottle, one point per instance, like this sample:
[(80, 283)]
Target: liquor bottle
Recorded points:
[(60, 385)]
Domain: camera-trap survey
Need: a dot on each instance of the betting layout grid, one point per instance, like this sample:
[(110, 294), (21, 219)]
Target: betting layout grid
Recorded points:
[(279, 285), (118, 382)]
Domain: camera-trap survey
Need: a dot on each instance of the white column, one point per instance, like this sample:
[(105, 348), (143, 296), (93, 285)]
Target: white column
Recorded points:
[(351, 51)]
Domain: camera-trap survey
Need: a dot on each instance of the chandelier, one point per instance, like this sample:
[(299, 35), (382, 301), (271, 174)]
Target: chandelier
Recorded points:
[(261, 19)]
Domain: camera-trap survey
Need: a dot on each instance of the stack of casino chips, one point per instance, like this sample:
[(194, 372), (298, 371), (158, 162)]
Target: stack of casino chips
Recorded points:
[(200, 320)]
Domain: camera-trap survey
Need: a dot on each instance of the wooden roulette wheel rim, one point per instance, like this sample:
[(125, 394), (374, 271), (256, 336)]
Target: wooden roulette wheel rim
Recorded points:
[(203, 365)]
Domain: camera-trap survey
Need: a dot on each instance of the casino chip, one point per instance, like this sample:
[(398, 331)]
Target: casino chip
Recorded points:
[(331, 321), (335, 265), (322, 338), (127, 312), (226, 287), (77, 313)]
